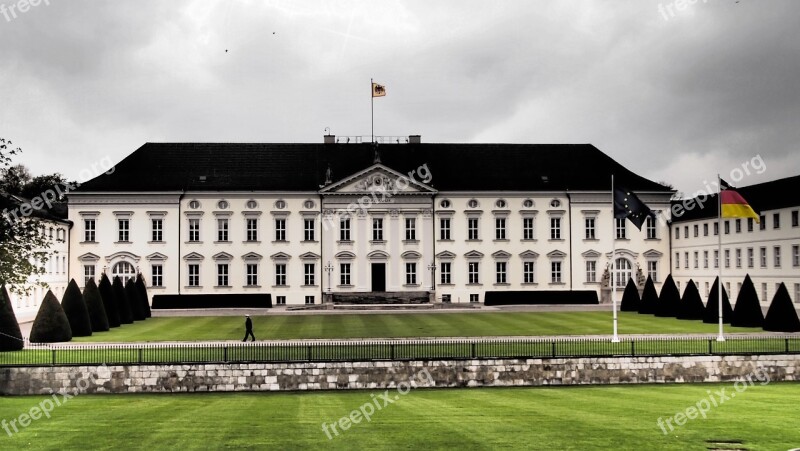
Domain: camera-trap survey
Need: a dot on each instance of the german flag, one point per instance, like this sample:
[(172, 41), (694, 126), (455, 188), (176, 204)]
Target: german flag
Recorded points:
[(733, 204)]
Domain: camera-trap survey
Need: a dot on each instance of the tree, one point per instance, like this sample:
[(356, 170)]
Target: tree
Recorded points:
[(142, 287), (691, 303), (13, 179), (94, 303), (747, 312), (649, 298), (51, 324), (123, 304), (43, 183), (109, 302), (630, 298), (711, 313), (75, 308), (132, 293), (669, 302), (10, 334), (782, 316)]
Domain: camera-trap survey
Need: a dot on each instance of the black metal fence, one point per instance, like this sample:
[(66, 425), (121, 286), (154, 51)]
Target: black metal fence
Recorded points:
[(396, 349)]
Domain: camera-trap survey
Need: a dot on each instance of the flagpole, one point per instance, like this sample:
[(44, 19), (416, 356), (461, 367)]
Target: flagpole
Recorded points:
[(721, 337), (615, 338), (372, 108)]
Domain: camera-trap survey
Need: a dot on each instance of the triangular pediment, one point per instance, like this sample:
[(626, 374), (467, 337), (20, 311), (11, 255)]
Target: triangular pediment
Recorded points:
[(379, 179), (445, 255), (193, 256), (89, 257), (222, 256), (156, 256), (280, 256)]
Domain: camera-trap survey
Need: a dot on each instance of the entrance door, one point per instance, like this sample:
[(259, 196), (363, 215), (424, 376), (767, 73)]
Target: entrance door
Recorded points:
[(379, 277)]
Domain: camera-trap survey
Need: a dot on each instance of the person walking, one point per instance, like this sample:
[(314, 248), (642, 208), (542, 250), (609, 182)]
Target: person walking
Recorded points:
[(248, 326)]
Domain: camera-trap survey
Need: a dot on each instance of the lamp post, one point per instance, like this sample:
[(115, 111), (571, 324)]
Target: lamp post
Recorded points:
[(432, 269), (329, 269)]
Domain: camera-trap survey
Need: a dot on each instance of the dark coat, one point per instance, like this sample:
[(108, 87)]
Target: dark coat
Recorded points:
[(248, 324)]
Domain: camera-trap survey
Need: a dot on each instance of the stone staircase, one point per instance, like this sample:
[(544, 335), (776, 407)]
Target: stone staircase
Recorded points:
[(382, 298)]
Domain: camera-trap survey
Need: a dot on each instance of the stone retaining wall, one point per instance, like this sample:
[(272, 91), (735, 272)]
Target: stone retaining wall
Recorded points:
[(375, 375)]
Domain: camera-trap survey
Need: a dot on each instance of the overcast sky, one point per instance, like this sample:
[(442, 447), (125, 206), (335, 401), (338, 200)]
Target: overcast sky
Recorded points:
[(676, 95)]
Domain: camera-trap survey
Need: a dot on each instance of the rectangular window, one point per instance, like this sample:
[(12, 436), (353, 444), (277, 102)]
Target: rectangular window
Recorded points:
[(309, 300), (222, 274), (309, 273), (750, 257), (308, 229), (776, 253), (527, 228), (252, 274), (764, 291), (555, 228), (776, 220), (444, 229), (472, 228), (762, 222), (156, 275), (500, 273), (473, 268), (650, 228), (280, 300), (591, 271), (344, 230), (795, 219), (727, 258), (590, 228), (797, 293), (474, 298), (555, 272), (500, 228), (344, 273), (280, 275), (763, 257), (705, 229), (738, 258), (796, 255), (528, 272), (686, 260), (88, 273), (738, 226), (377, 229), (716, 228), (158, 229), (652, 270), (194, 230), (444, 272), (280, 230), (686, 231), (411, 229), (194, 275), (411, 273), (727, 225), (677, 233), (222, 229), (124, 229), (252, 229), (707, 290), (89, 230), (620, 227), (696, 259), (696, 230), (716, 259), (750, 224), (677, 260), (705, 259)]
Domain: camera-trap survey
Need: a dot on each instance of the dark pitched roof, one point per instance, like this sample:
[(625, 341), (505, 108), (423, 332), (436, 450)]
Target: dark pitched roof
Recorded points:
[(11, 203), (772, 195), (302, 167)]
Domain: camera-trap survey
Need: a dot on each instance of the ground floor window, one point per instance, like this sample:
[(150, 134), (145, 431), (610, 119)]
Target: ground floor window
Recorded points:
[(309, 299), (88, 273), (124, 271), (280, 300), (474, 298), (157, 275)]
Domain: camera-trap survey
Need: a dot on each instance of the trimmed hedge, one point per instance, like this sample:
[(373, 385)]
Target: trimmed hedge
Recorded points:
[(75, 308), (109, 301), (51, 324), (184, 301), (649, 300), (711, 313), (747, 312), (630, 298), (782, 316), (123, 304), (691, 303), (10, 334), (94, 303), (669, 302), (142, 287), (132, 293)]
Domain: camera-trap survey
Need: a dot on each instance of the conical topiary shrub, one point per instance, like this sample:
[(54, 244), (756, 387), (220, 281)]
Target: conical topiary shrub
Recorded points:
[(781, 316), (691, 303), (142, 287), (10, 334), (125, 312), (94, 303), (109, 303), (747, 312), (76, 311), (51, 324), (649, 298), (711, 313), (132, 293), (630, 298), (669, 302)]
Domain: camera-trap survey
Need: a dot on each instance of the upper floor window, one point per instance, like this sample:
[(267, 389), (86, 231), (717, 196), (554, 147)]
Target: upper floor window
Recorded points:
[(194, 229), (377, 229), (650, 228), (411, 229), (444, 228), (89, 233), (344, 231), (621, 229), (500, 228), (527, 228), (280, 230), (123, 229), (776, 220), (555, 228), (252, 229), (472, 228), (157, 229), (222, 229), (308, 229)]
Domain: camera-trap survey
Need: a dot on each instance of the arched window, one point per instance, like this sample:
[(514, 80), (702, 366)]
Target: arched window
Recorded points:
[(124, 271), (624, 272)]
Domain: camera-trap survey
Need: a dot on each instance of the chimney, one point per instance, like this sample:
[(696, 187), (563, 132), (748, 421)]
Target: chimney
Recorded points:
[(329, 139), (414, 139)]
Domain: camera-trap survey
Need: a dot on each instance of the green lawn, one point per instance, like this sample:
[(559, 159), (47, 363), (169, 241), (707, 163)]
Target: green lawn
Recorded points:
[(399, 325), (547, 418)]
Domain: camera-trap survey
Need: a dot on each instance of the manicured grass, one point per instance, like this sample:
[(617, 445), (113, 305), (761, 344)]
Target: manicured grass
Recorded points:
[(271, 327), (579, 418)]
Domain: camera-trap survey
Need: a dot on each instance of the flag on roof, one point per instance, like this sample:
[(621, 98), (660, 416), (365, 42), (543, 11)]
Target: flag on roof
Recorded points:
[(378, 90), (733, 204)]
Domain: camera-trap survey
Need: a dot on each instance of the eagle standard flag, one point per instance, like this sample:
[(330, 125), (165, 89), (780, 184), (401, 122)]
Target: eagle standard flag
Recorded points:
[(733, 204), (628, 205), (378, 90)]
